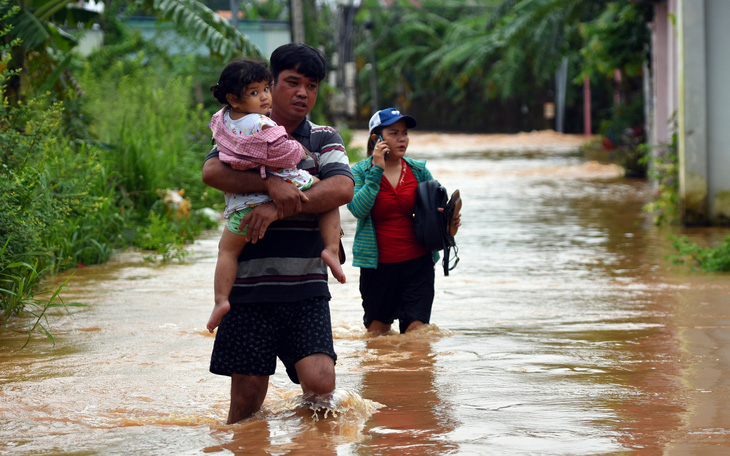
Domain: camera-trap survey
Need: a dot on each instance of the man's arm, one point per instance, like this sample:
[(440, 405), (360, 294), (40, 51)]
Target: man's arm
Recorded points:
[(328, 194), (220, 176)]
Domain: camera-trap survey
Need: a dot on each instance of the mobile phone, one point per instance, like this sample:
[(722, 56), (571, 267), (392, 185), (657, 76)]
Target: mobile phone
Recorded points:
[(385, 157)]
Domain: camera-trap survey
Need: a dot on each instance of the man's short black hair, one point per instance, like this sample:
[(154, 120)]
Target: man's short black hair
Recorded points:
[(301, 58)]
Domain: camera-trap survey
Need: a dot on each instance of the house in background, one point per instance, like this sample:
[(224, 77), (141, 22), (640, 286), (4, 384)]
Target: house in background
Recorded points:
[(266, 34)]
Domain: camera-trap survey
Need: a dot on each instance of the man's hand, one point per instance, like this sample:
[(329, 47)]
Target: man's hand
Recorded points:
[(258, 220), (287, 198)]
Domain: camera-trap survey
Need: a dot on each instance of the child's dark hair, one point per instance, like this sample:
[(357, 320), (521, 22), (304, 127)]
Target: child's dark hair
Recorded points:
[(237, 75)]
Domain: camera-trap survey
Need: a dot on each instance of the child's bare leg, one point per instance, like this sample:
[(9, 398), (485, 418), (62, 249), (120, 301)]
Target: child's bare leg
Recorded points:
[(229, 248), (329, 227)]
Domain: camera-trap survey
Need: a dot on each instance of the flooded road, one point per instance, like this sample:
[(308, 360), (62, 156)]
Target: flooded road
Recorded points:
[(563, 331)]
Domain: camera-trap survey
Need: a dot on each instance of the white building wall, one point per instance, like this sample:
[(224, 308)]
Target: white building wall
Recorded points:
[(693, 145), (691, 70), (717, 22)]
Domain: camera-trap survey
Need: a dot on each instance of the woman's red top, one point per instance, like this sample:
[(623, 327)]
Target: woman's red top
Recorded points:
[(392, 216)]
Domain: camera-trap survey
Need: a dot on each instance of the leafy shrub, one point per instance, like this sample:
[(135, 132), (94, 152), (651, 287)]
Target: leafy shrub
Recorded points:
[(161, 237), (709, 259), (45, 179), (623, 129), (664, 172), (45, 182)]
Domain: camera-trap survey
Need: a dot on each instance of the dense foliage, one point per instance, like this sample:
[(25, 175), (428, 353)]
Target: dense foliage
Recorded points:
[(490, 65), (99, 167)]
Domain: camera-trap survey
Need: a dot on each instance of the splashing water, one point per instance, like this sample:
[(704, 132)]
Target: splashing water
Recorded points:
[(340, 404)]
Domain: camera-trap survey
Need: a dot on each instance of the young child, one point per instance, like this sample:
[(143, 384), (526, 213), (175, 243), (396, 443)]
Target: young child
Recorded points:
[(244, 88)]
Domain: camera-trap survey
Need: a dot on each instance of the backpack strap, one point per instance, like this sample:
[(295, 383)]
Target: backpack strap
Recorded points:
[(452, 208), (311, 155)]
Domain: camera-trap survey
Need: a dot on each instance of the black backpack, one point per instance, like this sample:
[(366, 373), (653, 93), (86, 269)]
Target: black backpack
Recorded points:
[(432, 226)]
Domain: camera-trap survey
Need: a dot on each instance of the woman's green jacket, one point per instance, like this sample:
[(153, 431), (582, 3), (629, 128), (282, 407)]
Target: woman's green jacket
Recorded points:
[(367, 185)]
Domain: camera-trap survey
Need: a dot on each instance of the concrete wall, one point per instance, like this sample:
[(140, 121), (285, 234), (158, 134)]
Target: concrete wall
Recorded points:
[(691, 74), (717, 22), (693, 151), (664, 73)]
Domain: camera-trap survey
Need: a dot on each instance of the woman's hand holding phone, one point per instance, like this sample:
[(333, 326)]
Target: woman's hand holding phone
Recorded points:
[(387, 151), (381, 150)]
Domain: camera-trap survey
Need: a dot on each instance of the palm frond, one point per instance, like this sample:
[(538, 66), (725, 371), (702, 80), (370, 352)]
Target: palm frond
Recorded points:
[(50, 7), (30, 29), (499, 13), (36, 31), (195, 20)]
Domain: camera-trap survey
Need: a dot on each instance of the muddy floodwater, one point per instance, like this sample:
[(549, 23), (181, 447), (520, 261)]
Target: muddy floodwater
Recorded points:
[(562, 331)]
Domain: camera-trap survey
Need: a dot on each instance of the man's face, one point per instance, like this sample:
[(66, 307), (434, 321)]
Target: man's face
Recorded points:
[(294, 95)]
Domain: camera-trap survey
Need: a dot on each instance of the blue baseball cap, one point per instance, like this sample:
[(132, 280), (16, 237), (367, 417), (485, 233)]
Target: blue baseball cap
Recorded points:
[(389, 116)]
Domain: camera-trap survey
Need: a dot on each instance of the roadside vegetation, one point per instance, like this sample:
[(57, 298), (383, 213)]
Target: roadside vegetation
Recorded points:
[(106, 158), (663, 168), (709, 259)]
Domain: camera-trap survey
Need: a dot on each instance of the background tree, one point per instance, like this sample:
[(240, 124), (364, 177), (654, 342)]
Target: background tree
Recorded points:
[(485, 65), (44, 53), (83, 176)]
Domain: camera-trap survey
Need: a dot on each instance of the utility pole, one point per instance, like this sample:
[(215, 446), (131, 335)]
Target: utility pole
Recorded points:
[(561, 82), (297, 21), (587, 127), (346, 66), (373, 68), (234, 13)]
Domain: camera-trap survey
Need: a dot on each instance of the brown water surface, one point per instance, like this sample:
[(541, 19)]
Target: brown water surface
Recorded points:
[(563, 330)]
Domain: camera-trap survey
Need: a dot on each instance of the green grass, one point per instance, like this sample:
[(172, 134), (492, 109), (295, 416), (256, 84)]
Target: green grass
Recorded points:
[(19, 295)]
